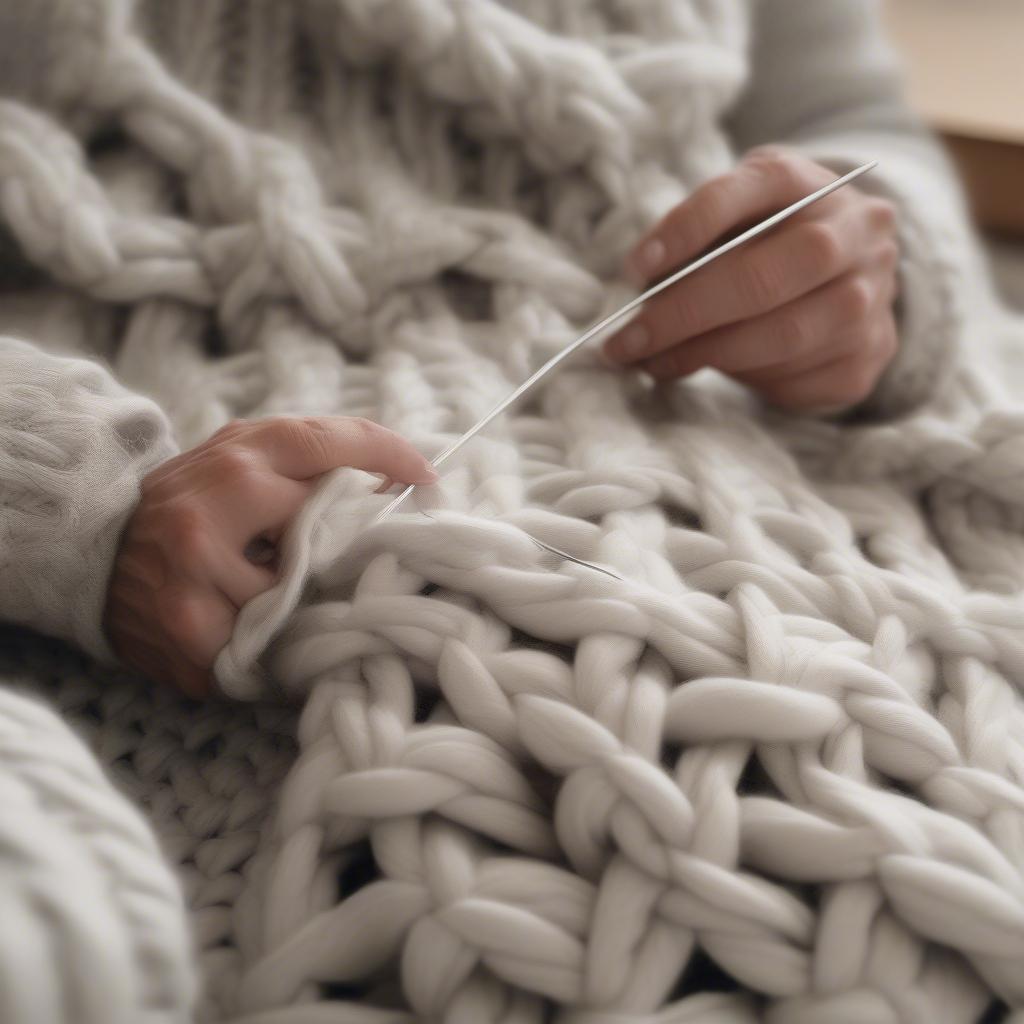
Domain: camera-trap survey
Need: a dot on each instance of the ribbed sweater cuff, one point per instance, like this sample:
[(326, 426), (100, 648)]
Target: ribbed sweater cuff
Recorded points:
[(74, 446)]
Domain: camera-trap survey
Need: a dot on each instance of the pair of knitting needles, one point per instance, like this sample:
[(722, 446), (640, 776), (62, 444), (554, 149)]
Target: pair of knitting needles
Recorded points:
[(612, 318)]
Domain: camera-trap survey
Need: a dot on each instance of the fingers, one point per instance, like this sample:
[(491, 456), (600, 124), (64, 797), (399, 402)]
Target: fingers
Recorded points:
[(829, 319), (168, 667), (197, 621), (301, 448), (755, 279), (252, 501), (143, 647), (209, 547), (238, 579), (767, 179), (836, 384)]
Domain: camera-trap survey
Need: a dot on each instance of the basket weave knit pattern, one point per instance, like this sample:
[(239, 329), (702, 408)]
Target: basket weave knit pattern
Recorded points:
[(782, 757)]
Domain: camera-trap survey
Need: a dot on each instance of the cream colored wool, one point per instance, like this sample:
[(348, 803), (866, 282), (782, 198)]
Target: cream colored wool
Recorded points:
[(92, 917), (790, 741)]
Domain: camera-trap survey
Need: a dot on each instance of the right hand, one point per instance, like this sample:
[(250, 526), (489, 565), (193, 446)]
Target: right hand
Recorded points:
[(182, 570)]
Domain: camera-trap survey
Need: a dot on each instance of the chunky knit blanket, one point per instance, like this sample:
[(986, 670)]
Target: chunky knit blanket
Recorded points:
[(775, 772)]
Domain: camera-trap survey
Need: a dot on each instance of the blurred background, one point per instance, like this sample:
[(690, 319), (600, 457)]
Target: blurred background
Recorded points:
[(965, 74)]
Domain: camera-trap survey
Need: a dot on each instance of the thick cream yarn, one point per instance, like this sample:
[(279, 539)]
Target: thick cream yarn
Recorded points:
[(787, 749), (830, 697), (93, 925)]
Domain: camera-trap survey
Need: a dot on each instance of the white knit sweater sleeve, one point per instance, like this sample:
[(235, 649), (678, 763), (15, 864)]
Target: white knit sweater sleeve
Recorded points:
[(74, 445), (826, 81)]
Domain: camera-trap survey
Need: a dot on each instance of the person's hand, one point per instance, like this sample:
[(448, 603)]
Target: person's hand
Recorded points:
[(201, 541), (803, 314)]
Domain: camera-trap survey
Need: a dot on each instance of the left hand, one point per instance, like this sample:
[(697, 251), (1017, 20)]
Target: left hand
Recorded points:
[(183, 568), (803, 314)]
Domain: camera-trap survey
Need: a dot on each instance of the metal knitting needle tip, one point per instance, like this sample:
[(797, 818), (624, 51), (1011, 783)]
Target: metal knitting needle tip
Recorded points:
[(578, 561), (628, 308), (562, 554), (393, 504)]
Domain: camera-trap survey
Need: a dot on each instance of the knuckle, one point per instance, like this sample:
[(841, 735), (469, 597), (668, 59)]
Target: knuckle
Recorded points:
[(364, 429), (308, 429), (312, 424), (234, 465), (313, 445), (781, 165), (889, 255), (882, 214), (856, 298), (714, 205), (824, 246), (771, 154), (283, 428), (291, 433), (309, 438), (323, 435), (306, 433)]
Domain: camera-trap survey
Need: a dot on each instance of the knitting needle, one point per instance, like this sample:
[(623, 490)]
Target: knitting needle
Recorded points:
[(590, 332), (562, 554)]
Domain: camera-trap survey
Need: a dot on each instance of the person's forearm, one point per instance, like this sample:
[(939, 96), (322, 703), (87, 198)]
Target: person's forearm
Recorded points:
[(74, 445), (825, 81)]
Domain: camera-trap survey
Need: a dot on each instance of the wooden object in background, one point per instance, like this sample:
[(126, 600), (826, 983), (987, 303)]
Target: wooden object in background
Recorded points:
[(965, 74), (993, 174)]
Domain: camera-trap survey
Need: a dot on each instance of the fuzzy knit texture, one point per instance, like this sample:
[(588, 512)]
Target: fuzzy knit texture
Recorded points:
[(75, 445), (773, 773)]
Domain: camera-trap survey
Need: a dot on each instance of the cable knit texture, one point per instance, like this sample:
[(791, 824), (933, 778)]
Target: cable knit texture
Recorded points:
[(773, 773), (94, 927)]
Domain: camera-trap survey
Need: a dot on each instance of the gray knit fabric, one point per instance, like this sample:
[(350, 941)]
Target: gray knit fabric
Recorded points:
[(73, 446)]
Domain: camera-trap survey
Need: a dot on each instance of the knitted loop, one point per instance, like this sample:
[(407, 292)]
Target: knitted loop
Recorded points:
[(92, 915)]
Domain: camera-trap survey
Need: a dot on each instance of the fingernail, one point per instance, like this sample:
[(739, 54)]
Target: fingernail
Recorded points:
[(647, 260), (430, 475), (630, 344)]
